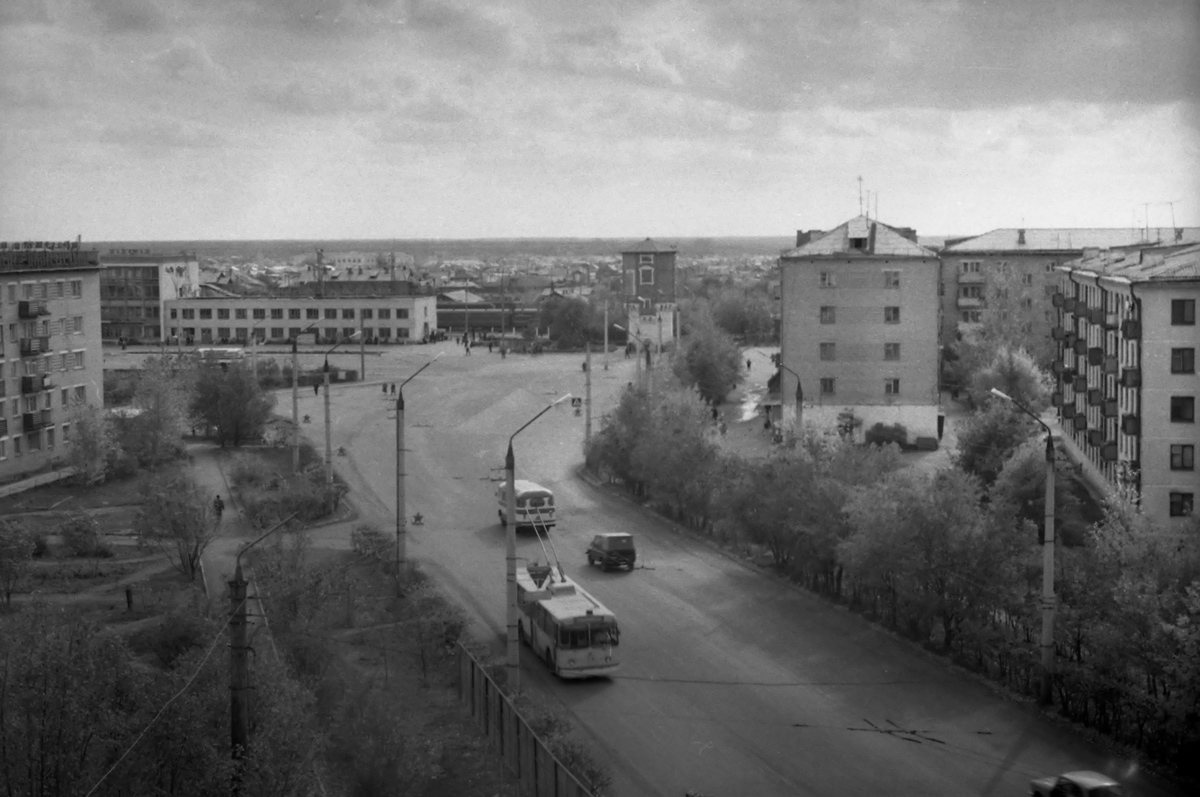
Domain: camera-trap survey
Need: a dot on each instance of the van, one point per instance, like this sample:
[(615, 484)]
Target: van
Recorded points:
[(534, 505)]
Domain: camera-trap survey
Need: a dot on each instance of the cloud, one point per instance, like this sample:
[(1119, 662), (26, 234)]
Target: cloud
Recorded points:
[(159, 136), (130, 16), (320, 96), (185, 59)]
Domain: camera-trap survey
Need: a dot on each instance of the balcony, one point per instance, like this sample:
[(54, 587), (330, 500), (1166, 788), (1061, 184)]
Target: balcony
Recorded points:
[(1131, 377), (1110, 408), (1069, 339), (31, 310), (1109, 452), (1069, 303), (1068, 412), (1080, 423), (31, 347), (1057, 300), (970, 302), (1080, 347), (1096, 315), (34, 384), (1111, 365), (1095, 356), (1080, 384), (1056, 399), (975, 278), (1131, 329), (1095, 397), (1095, 437), (1131, 425), (32, 421)]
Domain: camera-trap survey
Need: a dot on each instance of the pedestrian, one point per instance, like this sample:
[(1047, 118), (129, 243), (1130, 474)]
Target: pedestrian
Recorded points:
[(489, 347), (316, 388), (384, 386), (723, 428), (715, 414), (218, 507), (747, 365), (393, 388)]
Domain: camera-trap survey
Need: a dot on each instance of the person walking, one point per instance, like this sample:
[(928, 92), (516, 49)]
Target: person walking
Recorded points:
[(218, 507), (747, 364)]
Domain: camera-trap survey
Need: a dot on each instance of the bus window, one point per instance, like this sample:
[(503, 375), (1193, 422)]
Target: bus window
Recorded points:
[(537, 502)]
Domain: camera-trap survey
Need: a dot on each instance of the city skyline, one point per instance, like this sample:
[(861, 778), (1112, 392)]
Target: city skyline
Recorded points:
[(315, 119)]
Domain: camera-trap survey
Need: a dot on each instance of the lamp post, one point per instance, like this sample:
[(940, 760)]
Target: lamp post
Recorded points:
[(401, 510), (798, 423), (328, 425), (1048, 600), (513, 659), (296, 400)]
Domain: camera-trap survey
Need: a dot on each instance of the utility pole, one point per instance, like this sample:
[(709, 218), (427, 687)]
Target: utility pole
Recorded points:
[(239, 677), (513, 647), (1048, 600), (401, 504), (328, 435), (362, 350), (587, 399), (606, 334)]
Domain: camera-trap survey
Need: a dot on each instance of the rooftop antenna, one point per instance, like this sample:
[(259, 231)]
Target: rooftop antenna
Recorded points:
[(860, 206), (1171, 205), (1146, 228), (877, 206)]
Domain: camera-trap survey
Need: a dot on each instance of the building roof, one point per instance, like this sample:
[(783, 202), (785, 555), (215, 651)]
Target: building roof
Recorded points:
[(461, 297), (648, 245), (1143, 264), (881, 240), (1072, 239)]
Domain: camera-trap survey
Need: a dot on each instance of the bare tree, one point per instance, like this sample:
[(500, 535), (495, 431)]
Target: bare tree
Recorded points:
[(175, 518)]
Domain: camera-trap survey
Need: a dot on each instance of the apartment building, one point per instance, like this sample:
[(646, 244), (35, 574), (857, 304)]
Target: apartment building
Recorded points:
[(1127, 386), (50, 355), (228, 319), (860, 329), (1020, 263), (135, 284)]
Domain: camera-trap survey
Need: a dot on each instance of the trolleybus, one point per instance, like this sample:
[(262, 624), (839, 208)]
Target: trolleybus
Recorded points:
[(566, 627)]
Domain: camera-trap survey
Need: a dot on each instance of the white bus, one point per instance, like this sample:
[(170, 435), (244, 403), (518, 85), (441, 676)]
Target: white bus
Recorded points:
[(534, 505), (566, 627), (220, 355)]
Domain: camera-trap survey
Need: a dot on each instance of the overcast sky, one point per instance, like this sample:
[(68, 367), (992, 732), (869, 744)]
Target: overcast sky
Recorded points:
[(185, 119)]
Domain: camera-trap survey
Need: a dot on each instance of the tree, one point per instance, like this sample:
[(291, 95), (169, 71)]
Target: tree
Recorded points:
[(743, 313), (93, 447), (674, 446), (1014, 373), (989, 437), (567, 320), (1020, 488), (230, 400), (175, 518), (163, 393), (707, 359), (610, 451), (16, 553)]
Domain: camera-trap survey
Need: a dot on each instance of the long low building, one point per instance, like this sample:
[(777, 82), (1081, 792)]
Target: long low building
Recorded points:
[(228, 319)]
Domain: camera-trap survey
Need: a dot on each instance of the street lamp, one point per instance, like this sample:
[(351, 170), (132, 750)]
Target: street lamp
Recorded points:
[(513, 661), (296, 400), (328, 425), (1048, 600), (400, 497), (799, 422)]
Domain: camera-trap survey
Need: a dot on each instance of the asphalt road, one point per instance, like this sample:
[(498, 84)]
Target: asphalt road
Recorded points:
[(733, 682)]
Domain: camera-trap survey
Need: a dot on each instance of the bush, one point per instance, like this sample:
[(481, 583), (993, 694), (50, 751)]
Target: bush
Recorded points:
[(170, 639), (881, 435), (41, 546), (366, 540), (81, 536)]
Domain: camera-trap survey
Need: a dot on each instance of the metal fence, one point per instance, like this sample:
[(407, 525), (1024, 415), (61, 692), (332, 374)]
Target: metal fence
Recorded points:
[(539, 773)]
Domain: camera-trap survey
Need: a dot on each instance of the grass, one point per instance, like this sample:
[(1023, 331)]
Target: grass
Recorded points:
[(66, 496)]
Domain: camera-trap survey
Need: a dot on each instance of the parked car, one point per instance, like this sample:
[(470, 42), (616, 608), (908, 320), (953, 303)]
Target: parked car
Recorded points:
[(612, 549), (1076, 784)]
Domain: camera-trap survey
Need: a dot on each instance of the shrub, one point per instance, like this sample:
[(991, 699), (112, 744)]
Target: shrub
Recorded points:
[(41, 546), (170, 639), (366, 540), (880, 435), (81, 536)]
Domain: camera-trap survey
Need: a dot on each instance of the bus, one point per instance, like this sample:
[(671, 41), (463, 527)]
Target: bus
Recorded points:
[(220, 356), (566, 627), (534, 505)]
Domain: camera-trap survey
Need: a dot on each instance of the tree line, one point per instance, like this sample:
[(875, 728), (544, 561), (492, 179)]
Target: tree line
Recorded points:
[(950, 559)]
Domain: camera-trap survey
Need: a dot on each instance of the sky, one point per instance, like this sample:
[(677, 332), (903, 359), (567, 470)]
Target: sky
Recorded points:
[(326, 119)]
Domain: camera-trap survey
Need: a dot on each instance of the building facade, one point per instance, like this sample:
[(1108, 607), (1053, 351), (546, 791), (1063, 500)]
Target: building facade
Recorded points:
[(50, 352), (1127, 387), (1012, 270), (380, 319), (649, 274), (860, 330), (135, 285)]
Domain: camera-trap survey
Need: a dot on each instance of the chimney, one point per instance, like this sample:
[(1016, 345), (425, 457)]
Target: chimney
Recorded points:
[(907, 232), (1021, 237), (802, 238)]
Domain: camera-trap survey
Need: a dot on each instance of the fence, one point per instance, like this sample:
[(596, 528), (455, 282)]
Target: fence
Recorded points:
[(539, 773)]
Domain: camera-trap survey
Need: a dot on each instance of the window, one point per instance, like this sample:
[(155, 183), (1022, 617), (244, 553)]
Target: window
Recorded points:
[(402, 313), (66, 432), (969, 267), (971, 316), (1183, 409), (1181, 503), (828, 279), (189, 314), (259, 313), (293, 313), (1027, 304), (240, 333), (277, 313), (367, 313), (330, 333), (206, 314), (174, 313), (312, 313), (891, 279), (828, 315), (1183, 361), (240, 313), (858, 243), (330, 313), (1027, 279), (385, 333), (223, 333), (891, 351), (35, 440), (17, 445), (66, 401), (1050, 266), (970, 291), (50, 437), (642, 259), (347, 312), (827, 351), (385, 314), (827, 386), (891, 387), (81, 394), (348, 332), (3, 449), (646, 275), (293, 333), (276, 333), (1183, 457), (79, 358), (402, 332), (223, 313), (1183, 312), (76, 288), (891, 315)]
